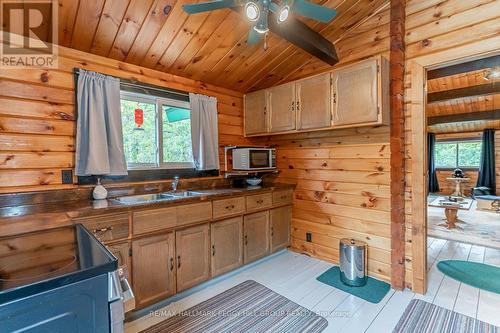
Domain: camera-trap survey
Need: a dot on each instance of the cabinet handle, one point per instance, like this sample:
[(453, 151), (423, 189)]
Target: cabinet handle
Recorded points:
[(283, 197), (178, 261), (95, 231), (230, 207), (272, 231), (297, 105), (213, 250), (334, 98), (246, 240), (260, 201), (293, 106), (171, 264)]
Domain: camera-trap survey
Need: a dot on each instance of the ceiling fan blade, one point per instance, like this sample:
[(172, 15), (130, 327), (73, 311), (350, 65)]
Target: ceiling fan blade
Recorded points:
[(253, 37), (314, 11), (210, 5)]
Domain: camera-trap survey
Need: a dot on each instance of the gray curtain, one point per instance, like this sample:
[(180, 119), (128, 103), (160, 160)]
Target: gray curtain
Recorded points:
[(99, 140), (433, 184), (204, 132), (487, 164)]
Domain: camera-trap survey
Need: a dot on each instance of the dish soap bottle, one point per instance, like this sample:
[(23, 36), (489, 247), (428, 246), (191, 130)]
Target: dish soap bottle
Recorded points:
[(100, 191)]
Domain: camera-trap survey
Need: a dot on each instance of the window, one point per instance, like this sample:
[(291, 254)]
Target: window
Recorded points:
[(163, 139), (458, 154)]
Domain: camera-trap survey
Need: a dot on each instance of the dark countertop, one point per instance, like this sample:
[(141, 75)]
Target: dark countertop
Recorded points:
[(49, 215), (45, 260)]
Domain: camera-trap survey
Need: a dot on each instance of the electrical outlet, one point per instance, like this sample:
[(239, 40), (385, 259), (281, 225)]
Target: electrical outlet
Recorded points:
[(308, 237), (67, 176)]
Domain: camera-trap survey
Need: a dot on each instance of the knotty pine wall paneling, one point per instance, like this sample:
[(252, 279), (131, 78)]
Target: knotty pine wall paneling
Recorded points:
[(37, 116)]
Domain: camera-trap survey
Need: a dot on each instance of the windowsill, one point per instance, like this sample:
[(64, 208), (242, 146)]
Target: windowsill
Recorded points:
[(452, 169), (136, 175)]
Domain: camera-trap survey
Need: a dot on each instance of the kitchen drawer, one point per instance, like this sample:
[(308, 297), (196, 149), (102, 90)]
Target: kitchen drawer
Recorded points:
[(107, 227), (283, 197), (192, 213), (154, 219), (228, 207), (259, 201)]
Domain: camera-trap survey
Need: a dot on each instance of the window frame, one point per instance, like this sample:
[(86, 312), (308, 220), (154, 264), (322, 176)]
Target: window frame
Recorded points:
[(159, 102), (457, 144)]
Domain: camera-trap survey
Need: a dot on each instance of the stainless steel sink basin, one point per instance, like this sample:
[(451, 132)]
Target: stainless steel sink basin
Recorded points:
[(185, 194), (145, 198)]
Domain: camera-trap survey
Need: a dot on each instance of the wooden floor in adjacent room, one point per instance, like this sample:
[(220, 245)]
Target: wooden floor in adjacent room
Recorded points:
[(294, 276)]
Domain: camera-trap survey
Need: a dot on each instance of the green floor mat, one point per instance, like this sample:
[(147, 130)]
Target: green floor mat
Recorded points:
[(474, 274), (374, 290)]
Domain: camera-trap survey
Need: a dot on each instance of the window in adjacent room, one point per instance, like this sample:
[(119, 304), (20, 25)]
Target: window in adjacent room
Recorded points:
[(458, 154), (156, 132)]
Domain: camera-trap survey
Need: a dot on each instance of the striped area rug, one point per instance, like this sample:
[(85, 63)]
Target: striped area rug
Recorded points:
[(248, 307), (423, 317)]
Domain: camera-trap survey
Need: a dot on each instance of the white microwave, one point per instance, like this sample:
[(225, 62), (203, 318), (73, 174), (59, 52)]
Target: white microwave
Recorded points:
[(249, 159)]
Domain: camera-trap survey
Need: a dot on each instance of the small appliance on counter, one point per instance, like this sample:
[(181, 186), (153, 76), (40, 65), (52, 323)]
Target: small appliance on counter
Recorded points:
[(60, 280), (458, 173)]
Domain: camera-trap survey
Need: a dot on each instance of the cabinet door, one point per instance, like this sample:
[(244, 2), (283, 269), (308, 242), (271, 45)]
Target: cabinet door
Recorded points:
[(281, 219), (193, 256), (227, 245), (256, 115), (356, 94), (314, 103), (282, 108), (122, 252), (256, 236), (154, 269)]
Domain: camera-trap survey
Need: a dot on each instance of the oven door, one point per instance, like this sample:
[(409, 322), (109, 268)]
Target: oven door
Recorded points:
[(260, 159)]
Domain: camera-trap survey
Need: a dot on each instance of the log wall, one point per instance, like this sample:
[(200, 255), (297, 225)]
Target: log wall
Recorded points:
[(37, 116)]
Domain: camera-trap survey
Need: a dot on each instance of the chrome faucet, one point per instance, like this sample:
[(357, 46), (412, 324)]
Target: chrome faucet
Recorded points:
[(175, 183)]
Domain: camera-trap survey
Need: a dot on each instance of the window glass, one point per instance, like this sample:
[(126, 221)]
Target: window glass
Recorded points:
[(154, 139), (140, 143), (176, 134), (446, 155), (463, 154), (469, 154)]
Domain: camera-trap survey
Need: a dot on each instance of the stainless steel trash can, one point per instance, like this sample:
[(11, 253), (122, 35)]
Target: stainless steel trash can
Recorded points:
[(353, 262)]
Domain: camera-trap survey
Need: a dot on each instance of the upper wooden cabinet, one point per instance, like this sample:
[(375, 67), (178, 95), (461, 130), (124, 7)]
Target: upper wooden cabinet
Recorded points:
[(256, 114), (192, 256), (313, 102), (358, 94), (352, 96), (282, 107)]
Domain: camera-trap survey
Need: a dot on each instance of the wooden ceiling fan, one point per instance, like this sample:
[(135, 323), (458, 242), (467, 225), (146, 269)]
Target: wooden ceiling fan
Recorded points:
[(266, 15)]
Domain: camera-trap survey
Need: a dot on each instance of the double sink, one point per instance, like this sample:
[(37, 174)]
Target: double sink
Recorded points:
[(169, 196)]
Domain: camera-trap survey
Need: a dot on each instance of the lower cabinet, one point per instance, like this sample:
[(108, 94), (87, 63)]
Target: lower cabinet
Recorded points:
[(256, 236), (122, 252), (227, 245), (192, 256), (154, 268), (280, 227)]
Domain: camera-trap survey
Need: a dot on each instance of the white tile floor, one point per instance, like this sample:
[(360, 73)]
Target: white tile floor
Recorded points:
[(294, 276)]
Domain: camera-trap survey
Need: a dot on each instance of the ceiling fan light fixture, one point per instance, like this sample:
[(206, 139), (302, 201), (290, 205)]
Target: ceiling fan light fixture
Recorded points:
[(283, 14), (252, 11), (493, 74)]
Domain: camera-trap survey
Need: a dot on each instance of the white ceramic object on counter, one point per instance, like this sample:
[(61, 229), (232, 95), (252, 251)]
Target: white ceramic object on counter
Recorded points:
[(254, 181), (100, 191)]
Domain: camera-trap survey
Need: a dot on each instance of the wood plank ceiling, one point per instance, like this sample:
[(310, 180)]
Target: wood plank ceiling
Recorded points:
[(210, 46), (464, 106)]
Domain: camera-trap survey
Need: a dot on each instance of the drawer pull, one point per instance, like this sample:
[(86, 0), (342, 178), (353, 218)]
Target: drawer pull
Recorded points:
[(230, 207), (171, 264), (246, 240), (213, 250), (178, 261), (272, 231), (283, 197), (95, 231), (260, 201)]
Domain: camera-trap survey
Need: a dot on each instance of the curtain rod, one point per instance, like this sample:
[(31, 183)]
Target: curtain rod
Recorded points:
[(141, 85)]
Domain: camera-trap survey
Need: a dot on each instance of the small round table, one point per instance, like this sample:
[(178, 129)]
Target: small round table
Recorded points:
[(458, 185)]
